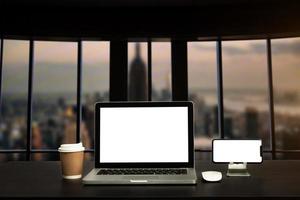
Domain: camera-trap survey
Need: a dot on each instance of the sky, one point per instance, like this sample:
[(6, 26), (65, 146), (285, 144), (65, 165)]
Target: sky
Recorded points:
[(244, 65)]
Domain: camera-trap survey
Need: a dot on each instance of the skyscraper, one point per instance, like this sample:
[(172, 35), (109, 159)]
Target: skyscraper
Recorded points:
[(228, 126), (251, 115), (137, 77), (216, 119)]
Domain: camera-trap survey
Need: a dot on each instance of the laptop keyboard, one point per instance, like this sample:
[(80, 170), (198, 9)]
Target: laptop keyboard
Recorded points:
[(142, 171)]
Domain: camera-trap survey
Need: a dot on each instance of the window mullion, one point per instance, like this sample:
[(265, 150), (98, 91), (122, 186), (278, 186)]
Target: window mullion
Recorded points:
[(79, 90), (149, 70), (271, 98), (220, 90), (1, 65), (118, 71), (29, 101), (179, 70)]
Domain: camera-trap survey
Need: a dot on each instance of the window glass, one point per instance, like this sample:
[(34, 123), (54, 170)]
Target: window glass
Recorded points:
[(286, 81), (95, 85), (202, 82), (54, 94), (13, 110), (137, 71), (245, 86), (161, 71)]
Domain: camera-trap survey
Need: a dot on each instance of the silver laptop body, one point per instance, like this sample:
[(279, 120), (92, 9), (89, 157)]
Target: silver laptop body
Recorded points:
[(143, 143)]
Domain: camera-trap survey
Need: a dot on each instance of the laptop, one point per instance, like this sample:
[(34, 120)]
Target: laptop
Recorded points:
[(143, 143)]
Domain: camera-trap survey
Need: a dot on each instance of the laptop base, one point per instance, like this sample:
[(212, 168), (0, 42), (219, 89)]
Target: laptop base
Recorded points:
[(93, 179)]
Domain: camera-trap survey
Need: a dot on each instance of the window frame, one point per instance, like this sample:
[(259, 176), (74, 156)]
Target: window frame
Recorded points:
[(117, 77)]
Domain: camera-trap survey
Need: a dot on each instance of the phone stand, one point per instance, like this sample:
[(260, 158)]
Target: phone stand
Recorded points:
[(237, 169)]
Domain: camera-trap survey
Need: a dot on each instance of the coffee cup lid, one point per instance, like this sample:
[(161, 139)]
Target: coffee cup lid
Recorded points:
[(71, 147)]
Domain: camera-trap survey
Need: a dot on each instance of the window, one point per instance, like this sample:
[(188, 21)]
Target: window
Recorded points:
[(202, 78), (286, 80), (245, 90), (55, 91), (13, 110), (161, 71), (137, 71), (95, 85), (54, 95)]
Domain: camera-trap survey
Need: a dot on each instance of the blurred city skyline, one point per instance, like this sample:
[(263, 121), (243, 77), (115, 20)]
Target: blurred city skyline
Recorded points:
[(245, 84)]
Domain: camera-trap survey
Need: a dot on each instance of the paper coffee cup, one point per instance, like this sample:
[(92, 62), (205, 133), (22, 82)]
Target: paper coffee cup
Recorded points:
[(71, 156)]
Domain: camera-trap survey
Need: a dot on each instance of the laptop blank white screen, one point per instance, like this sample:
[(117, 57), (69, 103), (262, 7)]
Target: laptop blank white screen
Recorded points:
[(144, 134)]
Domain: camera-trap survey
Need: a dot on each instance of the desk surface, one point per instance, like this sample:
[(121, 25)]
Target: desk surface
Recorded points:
[(43, 179)]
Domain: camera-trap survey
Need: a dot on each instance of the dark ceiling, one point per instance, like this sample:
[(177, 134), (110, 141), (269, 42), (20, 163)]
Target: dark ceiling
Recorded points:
[(121, 19)]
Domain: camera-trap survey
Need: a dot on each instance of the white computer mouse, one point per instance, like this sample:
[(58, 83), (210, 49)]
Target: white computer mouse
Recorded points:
[(212, 176)]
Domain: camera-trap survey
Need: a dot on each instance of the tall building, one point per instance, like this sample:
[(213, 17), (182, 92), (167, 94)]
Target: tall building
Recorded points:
[(228, 126), (251, 116), (137, 77), (216, 119)]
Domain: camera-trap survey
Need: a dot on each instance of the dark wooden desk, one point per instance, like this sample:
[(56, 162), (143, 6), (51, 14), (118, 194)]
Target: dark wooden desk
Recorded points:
[(43, 180)]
